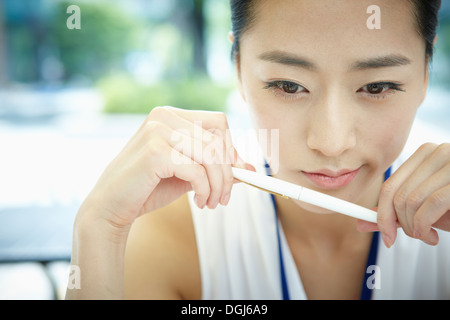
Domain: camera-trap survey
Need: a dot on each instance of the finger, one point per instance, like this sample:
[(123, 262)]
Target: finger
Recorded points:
[(186, 169), (212, 129), (417, 197), (210, 122), (387, 215), (209, 131), (185, 149), (433, 173), (228, 182), (227, 174), (433, 209), (215, 176), (207, 150), (443, 223), (209, 119), (366, 226)]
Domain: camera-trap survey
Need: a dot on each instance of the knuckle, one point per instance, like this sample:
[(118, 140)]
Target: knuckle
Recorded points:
[(427, 147), (199, 172), (222, 116), (201, 189), (400, 199), (222, 121), (158, 112), (437, 199), (228, 178), (208, 156), (154, 147), (420, 223), (153, 127), (414, 200), (215, 194), (217, 136), (387, 189), (382, 220), (213, 139), (214, 152), (443, 150), (208, 137), (408, 231)]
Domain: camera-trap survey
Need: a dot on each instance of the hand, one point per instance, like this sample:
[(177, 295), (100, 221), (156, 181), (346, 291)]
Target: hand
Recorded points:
[(416, 197), (174, 151)]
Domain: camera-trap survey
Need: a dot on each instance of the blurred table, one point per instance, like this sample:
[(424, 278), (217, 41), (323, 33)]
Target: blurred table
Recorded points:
[(36, 233)]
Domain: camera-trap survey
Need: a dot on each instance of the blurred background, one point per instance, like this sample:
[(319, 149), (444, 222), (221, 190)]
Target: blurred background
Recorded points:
[(71, 98)]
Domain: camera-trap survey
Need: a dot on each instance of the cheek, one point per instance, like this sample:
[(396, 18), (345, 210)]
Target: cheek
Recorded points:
[(269, 135), (389, 134), (279, 137)]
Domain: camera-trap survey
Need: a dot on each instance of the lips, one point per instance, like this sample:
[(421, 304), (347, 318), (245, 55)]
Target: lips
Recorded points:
[(329, 179)]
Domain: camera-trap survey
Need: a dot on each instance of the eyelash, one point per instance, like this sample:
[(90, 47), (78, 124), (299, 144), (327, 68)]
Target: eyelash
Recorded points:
[(277, 86), (392, 88)]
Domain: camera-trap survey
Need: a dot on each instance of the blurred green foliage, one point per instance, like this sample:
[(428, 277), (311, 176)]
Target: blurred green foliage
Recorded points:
[(98, 51), (122, 94), (101, 53), (106, 35)]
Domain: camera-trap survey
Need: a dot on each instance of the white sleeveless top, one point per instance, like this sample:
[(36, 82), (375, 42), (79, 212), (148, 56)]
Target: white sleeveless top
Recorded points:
[(239, 257)]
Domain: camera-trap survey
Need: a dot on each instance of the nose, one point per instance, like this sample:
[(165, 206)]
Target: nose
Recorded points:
[(331, 127)]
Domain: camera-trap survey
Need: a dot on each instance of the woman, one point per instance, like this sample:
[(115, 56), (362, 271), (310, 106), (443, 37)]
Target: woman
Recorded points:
[(343, 96)]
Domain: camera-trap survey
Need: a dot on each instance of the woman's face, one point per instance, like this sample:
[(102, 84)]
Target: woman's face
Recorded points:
[(343, 96)]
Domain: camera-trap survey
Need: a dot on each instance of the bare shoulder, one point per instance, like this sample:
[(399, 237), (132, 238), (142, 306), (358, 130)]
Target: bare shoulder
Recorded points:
[(161, 260)]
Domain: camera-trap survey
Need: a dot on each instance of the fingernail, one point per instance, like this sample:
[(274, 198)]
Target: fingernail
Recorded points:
[(197, 202), (387, 240), (431, 239), (225, 199), (213, 205)]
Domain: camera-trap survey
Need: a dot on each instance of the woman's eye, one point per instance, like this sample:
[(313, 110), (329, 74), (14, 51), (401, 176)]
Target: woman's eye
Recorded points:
[(380, 88), (290, 87), (285, 87), (377, 88)]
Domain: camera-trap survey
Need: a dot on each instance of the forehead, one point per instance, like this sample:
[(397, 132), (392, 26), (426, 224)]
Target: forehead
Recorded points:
[(337, 29)]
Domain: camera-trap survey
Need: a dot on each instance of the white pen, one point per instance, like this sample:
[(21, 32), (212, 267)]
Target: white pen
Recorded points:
[(289, 190)]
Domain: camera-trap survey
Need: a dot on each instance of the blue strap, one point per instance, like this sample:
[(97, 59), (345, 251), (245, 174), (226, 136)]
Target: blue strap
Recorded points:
[(366, 293), (284, 285)]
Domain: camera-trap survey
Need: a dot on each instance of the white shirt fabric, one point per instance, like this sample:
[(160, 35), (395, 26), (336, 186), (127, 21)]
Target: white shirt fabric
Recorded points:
[(239, 256)]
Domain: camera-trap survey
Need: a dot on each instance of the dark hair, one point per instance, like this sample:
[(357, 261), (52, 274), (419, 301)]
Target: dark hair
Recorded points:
[(425, 11), (427, 17), (242, 18)]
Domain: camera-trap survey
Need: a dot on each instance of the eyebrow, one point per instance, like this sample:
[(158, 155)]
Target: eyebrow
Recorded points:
[(381, 62), (285, 58), (281, 57)]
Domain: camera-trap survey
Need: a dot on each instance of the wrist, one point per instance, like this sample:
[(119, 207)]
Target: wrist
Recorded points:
[(91, 222), (96, 212), (98, 251)]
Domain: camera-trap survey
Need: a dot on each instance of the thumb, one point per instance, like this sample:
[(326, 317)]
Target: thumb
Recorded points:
[(366, 226)]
